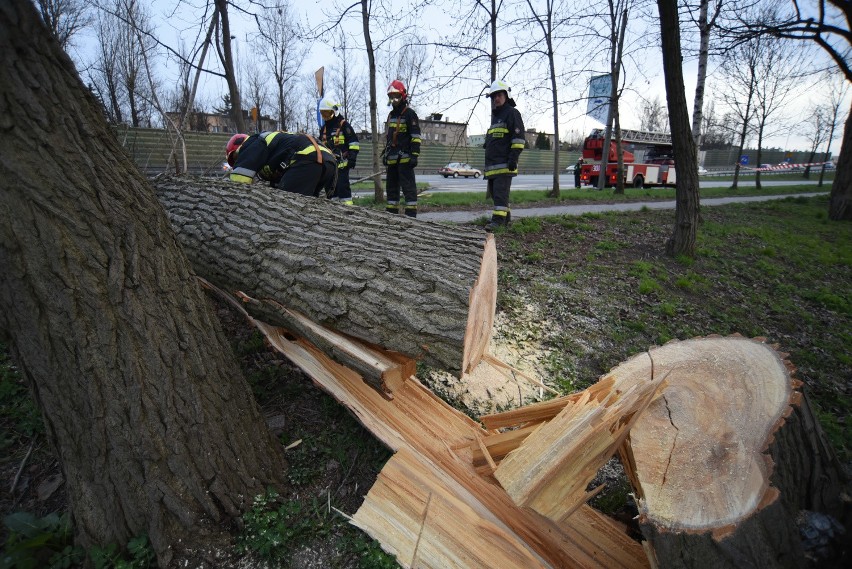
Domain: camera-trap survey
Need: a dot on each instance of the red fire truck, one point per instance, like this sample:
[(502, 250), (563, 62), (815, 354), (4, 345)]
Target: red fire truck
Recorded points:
[(655, 165)]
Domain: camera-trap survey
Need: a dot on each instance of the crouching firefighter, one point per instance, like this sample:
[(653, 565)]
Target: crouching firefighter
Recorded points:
[(338, 135), (402, 149), (504, 142), (288, 161)]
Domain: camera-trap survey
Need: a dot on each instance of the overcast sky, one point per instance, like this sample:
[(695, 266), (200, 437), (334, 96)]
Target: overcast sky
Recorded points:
[(460, 104)]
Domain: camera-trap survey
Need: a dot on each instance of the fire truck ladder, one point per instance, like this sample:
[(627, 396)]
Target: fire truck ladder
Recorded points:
[(637, 136)]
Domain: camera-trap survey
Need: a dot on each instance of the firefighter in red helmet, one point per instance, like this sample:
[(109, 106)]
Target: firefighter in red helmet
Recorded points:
[(402, 149), (293, 162)]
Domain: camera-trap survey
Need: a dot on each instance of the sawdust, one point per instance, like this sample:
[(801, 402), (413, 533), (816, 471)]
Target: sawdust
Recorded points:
[(492, 387)]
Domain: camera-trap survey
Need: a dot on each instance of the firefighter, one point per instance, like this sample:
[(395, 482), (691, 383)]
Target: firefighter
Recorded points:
[(577, 168), (338, 135), (293, 162), (504, 142), (402, 149)]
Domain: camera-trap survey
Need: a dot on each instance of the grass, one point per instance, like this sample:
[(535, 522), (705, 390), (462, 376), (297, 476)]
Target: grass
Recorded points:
[(775, 269)]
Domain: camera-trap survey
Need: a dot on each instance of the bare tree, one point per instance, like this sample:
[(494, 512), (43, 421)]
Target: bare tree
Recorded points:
[(839, 88), (653, 115), (280, 47), (104, 77), (708, 13), (773, 87), (256, 93), (682, 241), (226, 56), (64, 18), (126, 360), (739, 71), (815, 128), (349, 84), (133, 24), (827, 24), (617, 19), (548, 18)]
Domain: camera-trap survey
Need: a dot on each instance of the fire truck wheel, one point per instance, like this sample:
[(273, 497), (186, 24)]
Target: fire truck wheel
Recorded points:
[(638, 182)]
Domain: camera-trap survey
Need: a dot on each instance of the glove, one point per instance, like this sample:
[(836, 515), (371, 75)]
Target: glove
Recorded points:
[(513, 165), (413, 161), (351, 163)]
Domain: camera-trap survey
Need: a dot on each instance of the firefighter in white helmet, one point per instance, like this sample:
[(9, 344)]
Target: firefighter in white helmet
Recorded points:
[(338, 135), (504, 142)]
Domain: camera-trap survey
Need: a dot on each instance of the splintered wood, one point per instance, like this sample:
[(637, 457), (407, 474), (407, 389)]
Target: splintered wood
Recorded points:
[(426, 524), (552, 466), (417, 421)]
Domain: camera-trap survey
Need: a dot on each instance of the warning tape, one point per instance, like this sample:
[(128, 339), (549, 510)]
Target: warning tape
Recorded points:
[(786, 166)]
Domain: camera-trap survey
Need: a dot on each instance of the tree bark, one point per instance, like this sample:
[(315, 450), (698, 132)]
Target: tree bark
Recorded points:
[(840, 203), (727, 456), (155, 429), (425, 290), (682, 241)]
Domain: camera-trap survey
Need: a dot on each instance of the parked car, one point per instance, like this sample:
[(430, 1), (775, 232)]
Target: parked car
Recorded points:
[(456, 169), (702, 170)]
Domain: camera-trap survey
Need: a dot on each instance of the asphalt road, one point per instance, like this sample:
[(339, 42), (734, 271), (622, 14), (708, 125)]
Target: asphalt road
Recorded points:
[(545, 181)]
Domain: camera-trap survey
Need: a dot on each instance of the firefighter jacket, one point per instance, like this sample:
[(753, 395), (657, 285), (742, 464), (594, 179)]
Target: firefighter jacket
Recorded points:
[(504, 141), (338, 135), (268, 154), (403, 136)]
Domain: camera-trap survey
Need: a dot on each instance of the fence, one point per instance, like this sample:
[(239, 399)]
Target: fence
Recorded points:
[(151, 150)]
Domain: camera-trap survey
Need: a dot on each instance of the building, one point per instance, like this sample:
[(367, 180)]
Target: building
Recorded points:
[(437, 131), (532, 134)]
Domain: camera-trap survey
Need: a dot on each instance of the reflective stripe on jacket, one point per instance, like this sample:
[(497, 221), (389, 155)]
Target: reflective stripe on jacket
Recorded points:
[(504, 140), (403, 135), (338, 135)]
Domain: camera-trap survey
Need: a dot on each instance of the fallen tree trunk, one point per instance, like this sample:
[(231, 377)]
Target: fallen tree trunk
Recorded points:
[(425, 290), (724, 459)]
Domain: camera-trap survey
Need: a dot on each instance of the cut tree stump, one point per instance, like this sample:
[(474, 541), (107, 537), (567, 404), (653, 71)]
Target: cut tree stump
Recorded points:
[(425, 290), (723, 460)]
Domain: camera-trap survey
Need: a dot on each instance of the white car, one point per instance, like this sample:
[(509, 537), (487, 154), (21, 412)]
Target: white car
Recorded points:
[(702, 170)]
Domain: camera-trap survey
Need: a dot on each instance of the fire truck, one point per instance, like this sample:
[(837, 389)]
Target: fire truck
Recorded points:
[(648, 159)]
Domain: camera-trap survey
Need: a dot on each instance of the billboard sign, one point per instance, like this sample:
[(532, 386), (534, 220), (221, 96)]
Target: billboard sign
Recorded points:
[(600, 88)]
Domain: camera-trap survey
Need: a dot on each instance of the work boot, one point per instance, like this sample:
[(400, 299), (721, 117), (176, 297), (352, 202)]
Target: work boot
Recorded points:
[(411, 210), (497, 222), (394, 209)]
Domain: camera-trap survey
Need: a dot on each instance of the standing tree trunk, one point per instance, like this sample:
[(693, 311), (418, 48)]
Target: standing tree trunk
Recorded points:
[(378, 193), (840, 204), (230, 71), (682, 241), (155, 429)]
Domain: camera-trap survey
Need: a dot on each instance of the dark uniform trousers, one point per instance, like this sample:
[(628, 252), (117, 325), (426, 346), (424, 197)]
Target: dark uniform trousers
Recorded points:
[(401, 175), (307, 177)]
